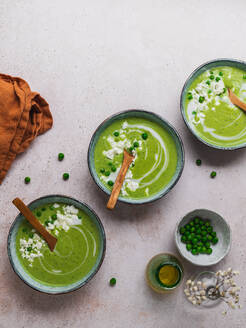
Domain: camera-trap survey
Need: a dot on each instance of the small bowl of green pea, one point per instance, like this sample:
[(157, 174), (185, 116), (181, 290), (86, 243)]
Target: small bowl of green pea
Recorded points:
[(203, 237)]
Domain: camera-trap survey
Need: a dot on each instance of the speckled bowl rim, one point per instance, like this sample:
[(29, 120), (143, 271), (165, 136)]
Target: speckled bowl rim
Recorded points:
[(156, 196), (65, 289), (176, 236), (182, 109)]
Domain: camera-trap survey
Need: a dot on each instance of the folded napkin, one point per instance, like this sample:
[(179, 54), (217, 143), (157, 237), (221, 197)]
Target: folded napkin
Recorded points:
[(23, 116)]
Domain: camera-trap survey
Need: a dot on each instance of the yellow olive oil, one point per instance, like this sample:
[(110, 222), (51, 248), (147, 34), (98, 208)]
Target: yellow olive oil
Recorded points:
[(168, 275)]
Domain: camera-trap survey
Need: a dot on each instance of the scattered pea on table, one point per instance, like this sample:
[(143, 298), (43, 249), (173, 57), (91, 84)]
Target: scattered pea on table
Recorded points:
[(112, 282), (60, 156), (65, 176), (198, 162), (213, 174), (27, 180)]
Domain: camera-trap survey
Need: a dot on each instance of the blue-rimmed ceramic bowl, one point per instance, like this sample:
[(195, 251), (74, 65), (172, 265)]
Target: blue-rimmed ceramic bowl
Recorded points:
[(198, 71), (151, 117), (18, 268), (220, 250)]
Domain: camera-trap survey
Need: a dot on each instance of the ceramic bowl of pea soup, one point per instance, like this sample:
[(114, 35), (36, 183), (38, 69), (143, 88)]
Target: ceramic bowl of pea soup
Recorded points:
[(203, 237), (158, 151), (79, 251), (207, 109)]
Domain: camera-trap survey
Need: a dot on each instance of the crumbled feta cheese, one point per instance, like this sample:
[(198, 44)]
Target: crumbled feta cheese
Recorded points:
[(30, 248), (124, 125)]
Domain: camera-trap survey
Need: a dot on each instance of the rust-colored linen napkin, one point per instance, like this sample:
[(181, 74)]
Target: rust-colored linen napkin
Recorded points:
[(23, 116)]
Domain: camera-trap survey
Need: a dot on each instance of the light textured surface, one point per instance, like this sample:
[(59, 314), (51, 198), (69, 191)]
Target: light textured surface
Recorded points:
[(90, 59)]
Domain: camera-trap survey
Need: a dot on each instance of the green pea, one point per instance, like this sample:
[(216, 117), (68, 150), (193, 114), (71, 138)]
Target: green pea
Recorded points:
[(215, 240), (194, 251), (190, 96), (107, 173), (203, 233), (199, 237), (187, 226), (217, 78), (54, 216), (27, 180), (136, 144), (194, 241), (214, 234), (182, 230), (186, 233), (189, 238), (211, 77), (188, 247), (113, 168), (110, 183), (201, 222), (60, 156), (224, 90), (194, 112), (183, 239), (208, 82), (24, 230), (79, 217), (102, 170), (43, 209), (112, 282), (220, 74), (144, 135), (52, 208), (31, 235), (209, 229), (110, 163), (209, 237), (193, 235), (213, 174), (201, 99), (198, 231), (29, 249), (209, 250), (65, 176), (207, 244), (203, 228), (116, 134), (196, 220), (203, 250), (47, 222), (209, 91), (192, 229), (39, 213), (199, 249), (198, 162), (204, 239)]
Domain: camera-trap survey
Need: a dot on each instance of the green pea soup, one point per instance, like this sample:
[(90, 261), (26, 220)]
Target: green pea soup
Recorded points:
[(155, 154), (209, 110), (76, 251)]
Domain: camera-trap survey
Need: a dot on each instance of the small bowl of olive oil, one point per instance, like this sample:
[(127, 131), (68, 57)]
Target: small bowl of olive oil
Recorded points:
[(164, 273)]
